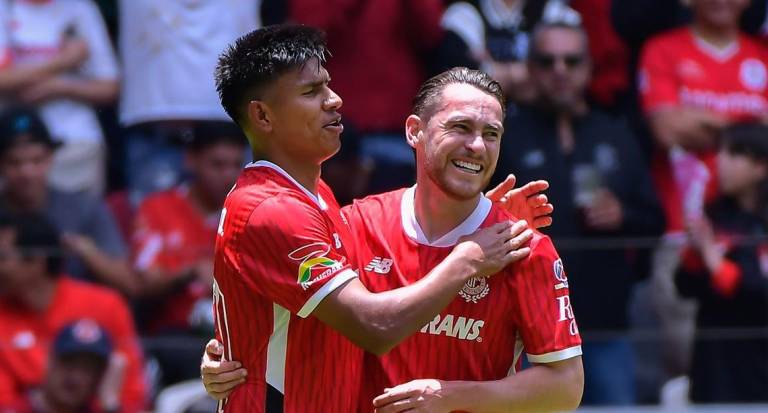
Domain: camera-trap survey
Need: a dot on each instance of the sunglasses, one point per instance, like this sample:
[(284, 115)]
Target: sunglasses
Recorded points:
[(548, 61)]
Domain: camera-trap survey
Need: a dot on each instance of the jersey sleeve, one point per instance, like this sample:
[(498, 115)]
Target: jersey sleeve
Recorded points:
[(656, 77), (291, 254), (546, 321)]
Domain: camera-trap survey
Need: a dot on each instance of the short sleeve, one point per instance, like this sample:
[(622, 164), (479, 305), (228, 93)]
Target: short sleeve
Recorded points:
[(290, 253), (656, 82), (546, 320), (102, 62)]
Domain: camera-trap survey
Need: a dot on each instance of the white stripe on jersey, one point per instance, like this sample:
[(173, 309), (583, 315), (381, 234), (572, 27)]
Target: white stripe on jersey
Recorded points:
[(277, 348)]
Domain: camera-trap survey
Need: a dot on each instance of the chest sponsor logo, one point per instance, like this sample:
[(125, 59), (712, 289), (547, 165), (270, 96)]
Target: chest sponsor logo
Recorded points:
[(380, 265), (560, 277), (317, 262), (475, 289), (461, 328), (752, 74)]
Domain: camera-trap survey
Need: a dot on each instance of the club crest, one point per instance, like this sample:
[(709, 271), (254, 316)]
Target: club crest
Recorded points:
[(475, 289)]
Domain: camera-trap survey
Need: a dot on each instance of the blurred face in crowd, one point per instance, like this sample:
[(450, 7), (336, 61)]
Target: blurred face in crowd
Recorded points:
[(738, 173), (73, 380), (304, 121), (718, 13), (16, 271), (457, 146), (215, 168), (559, 67), (24, 168)]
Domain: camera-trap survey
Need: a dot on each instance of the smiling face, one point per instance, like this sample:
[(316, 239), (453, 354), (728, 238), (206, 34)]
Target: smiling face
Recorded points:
[(457, 145)]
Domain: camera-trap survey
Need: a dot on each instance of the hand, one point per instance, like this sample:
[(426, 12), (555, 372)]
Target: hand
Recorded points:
[(78, 244), (72, 54), (219, 377), (526, 203), (415, 396), (605, 213), (491, 249), (701, 236), (112, 382), (45, 90)]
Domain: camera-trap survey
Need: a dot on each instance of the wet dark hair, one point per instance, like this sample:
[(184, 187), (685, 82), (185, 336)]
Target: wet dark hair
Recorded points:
[(431, 90), (36, 236), (259, 58)]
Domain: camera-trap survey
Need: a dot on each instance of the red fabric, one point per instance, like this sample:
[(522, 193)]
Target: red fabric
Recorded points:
[(610, 56), (691, 260), (276, 250), (171, 235), (675, 70), (378, 49), (525, 307), (25, 338), (727, 278)]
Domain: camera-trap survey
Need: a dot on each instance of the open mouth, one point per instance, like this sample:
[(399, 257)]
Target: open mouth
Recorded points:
[(336, 123), (467, 166)]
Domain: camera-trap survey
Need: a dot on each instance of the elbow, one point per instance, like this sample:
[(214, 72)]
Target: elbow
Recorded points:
[(378, 342)]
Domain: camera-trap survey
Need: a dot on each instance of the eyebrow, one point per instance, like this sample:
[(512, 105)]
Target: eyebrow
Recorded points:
[(460, 119)]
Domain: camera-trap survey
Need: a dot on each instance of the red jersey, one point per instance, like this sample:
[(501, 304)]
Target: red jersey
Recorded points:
[(279, 251), (678, 69), (26, 337), (172, 235), (482, 333)]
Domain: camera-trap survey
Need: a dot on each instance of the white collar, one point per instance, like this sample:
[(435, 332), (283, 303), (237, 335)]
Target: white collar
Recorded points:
[(413, 230), (266, 164), (501, 16), (721, 54)]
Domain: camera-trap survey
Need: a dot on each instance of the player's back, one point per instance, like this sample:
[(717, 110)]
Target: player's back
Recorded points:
[(483, 332), (279, 252)]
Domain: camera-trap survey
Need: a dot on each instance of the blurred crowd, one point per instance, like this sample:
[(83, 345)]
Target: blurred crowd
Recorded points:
[(649, 119)]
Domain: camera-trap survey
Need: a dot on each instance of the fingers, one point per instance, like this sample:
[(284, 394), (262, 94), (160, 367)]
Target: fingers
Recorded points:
[(538, 200), (517, 255), (542, 222), (213, 349), (532, 188), (390, 396), (498, 192), (519, 240), (218, 367), (515, 229)]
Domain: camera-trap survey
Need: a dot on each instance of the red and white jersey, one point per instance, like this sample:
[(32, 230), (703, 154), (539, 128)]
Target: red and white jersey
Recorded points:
[(482, 333), (279, 251), (678, 69)]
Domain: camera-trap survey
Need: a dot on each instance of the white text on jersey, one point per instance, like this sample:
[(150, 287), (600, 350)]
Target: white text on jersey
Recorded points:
[(455, 326)]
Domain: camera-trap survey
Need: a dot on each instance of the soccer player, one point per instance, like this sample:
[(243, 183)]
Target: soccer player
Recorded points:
[(475, 343), (287, 301)]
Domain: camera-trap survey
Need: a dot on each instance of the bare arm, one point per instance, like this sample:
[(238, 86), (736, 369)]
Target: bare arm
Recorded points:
[(378, 322), (693, 129), (14, 78), (112, 271), (548, 387), (91, 91)]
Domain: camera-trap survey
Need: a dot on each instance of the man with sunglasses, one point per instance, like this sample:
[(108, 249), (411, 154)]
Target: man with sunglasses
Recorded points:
[(601, 188)]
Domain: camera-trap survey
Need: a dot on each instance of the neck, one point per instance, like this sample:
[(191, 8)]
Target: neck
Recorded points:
[(205, 204), (305, 173), (33, 202), (565, 133), (436, 212), (717, 36), (37, 294)]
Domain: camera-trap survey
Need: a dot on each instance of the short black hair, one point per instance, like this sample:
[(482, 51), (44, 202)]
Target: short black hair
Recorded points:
[(211, 133), (748, 139), (430, 91), (36, 236), (260, 57)]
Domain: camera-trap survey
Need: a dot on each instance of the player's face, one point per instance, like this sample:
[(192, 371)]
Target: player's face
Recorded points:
[(738, 173), (216, 168), (72, 381), (307, 123), (459, 146), (719, 13), (559, 67), (24, 168)]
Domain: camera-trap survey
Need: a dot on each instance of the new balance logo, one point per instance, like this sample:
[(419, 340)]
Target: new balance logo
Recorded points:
[(452, 326), (379, 265)]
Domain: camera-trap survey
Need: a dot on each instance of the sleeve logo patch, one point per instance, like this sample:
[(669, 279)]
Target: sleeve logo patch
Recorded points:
[(560, 275), (317, 262)]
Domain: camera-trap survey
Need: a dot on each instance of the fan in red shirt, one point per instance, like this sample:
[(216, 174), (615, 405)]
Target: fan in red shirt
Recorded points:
[(694, 81), (474, 345), (287, 301)]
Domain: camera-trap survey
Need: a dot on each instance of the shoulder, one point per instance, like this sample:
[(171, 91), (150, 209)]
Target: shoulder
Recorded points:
[(380, 203), (162, 200), (670, 39), (97, 296)]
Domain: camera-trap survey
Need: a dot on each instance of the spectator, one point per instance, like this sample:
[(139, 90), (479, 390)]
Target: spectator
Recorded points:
[(494, 35), (36, 302), (77, 364), (725, 271), (173, 248), (694, 81), (170, 49), (89, 232), (388, 39), (56, 55), (601, 190)]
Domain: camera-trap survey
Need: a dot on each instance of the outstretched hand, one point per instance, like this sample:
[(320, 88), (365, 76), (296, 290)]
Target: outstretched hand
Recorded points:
[(526, 203)]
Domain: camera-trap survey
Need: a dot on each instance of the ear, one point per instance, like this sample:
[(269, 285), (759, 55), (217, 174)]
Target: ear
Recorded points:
[(260, 116), (413, 130)]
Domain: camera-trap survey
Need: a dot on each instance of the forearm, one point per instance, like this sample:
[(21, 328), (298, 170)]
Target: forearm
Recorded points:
[(386, 318), (92, 91), (14, 78), (537, 389), (692, 129), (157, 283), (111, 271)]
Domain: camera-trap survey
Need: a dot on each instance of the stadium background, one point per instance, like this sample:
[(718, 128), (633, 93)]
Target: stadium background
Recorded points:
[(148, 66)]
